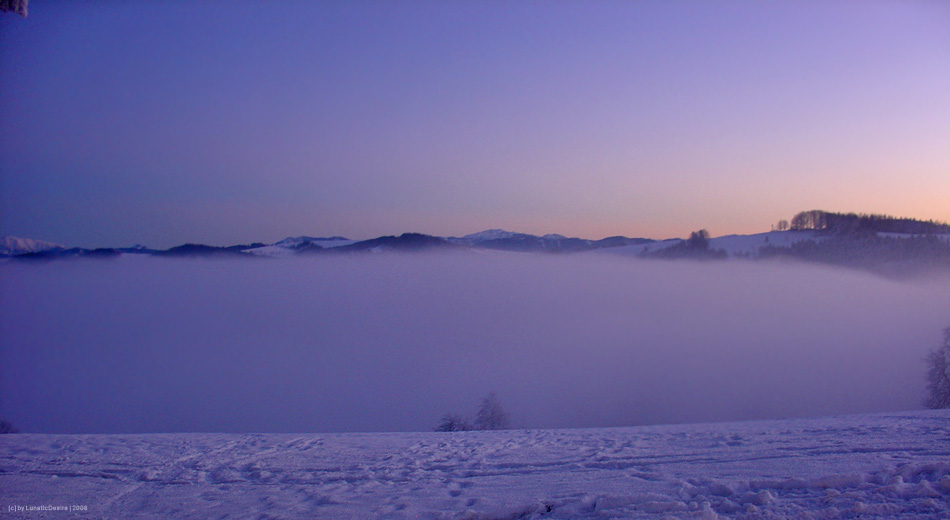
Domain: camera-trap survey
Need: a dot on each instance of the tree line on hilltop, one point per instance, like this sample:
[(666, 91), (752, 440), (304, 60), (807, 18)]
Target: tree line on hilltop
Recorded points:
[(851, 223)]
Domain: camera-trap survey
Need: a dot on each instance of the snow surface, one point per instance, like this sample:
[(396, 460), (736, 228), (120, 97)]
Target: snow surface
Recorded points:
[(492, 234), (288, 246), (733, 245), (942, 236), (894, 465), (638, 249), (272, 250), (322, 242), (751, 244)]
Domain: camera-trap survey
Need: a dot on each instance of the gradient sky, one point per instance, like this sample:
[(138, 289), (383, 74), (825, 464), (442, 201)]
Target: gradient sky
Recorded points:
[(229, 122)]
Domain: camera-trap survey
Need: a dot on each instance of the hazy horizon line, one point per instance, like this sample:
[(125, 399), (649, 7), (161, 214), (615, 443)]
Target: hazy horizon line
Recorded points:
[(360, 239), (507, 230)]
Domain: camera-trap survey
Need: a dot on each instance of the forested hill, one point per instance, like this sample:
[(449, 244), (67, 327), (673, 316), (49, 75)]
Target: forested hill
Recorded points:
[(851, 223), (886, 245)]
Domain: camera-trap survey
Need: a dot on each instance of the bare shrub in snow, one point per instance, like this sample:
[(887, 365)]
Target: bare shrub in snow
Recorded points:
[(491, 416), (6, 427), (938, 374), (453, 423)]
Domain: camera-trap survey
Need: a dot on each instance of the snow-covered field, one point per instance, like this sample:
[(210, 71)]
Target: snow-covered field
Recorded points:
[(733, 245), (894, 465)]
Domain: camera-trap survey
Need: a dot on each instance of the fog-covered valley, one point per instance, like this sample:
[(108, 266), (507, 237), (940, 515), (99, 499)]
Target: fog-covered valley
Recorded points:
[(391, 342)]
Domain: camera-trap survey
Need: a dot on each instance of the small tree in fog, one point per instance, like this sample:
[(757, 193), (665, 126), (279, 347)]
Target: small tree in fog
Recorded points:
[(6, 427), (491, 416), (938, 374), (453, 423), (698, 240)]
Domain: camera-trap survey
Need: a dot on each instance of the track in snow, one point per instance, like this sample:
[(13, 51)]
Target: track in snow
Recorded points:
[(868, 466)]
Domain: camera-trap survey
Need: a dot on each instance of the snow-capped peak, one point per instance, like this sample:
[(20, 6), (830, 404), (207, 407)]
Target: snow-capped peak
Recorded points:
[(17, 246)]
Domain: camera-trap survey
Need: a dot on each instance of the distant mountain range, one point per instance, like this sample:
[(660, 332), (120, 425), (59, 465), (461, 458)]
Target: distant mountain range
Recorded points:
[(495, 239), (874, 242)]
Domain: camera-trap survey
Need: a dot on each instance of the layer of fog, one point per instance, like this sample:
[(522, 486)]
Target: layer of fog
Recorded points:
[(392, 342)]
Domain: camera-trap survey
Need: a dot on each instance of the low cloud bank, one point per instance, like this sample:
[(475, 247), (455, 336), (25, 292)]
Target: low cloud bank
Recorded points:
[(394, 341)]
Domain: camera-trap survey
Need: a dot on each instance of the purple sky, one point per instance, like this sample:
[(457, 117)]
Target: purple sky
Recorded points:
[(228, 122)]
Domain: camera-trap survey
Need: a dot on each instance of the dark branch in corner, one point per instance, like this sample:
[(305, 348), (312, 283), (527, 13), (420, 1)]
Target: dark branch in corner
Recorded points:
[(14, 6)]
